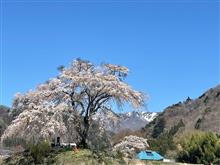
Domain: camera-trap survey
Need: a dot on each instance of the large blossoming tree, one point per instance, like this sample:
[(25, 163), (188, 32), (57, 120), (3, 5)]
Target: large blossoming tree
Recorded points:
[(80, 89)]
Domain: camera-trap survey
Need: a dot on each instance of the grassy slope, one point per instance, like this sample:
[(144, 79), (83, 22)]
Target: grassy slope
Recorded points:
[(85, 157)]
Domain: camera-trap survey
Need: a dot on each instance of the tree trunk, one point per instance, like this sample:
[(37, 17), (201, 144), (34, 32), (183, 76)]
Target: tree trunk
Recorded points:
[(85, 132)]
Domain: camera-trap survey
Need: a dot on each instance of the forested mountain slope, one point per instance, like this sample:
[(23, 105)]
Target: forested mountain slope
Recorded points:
[(202, 113)]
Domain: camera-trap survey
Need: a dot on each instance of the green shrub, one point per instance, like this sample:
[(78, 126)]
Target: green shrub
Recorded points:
[(39, 151), (200, 148), (162, 144), (165, 142)]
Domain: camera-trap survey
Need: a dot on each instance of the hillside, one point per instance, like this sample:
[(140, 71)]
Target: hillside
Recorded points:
[(82, 157), (5, 118), (202, 113)]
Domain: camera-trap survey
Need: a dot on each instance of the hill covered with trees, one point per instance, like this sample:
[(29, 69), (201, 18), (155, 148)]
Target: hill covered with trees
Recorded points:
[(5, 118), (202, 114)]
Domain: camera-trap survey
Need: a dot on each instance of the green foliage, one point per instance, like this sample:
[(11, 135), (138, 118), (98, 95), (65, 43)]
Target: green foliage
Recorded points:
[(165, 141), (108, 157), (158, 128), (119, 155), (162, 144), (39, 151), (200, 148)]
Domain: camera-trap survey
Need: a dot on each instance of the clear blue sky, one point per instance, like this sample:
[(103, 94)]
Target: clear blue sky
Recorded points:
[(170, 47)]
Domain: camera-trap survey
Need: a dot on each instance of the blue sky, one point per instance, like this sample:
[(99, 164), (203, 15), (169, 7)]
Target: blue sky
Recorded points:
[(170, 47)]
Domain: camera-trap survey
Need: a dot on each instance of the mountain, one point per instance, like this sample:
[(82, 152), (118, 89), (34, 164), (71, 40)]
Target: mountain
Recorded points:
[(136, 120), (202, 113), (115, 122)]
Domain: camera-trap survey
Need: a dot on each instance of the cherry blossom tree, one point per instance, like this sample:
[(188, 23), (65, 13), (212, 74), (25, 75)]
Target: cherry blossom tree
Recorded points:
[(79, 90)]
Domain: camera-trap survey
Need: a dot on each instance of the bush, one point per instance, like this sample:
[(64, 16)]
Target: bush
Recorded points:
[(39, 151), (200, 148)]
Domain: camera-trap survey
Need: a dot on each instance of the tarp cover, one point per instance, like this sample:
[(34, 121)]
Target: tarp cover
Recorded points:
[(149, 155)]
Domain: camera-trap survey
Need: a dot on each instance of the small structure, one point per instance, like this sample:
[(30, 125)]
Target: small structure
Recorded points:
[(57, 142), (70, 145), (149, 155)]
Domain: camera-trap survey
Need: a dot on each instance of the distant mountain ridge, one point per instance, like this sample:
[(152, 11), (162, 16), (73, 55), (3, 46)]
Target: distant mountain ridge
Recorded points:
[(115, 122), (202, 113)]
